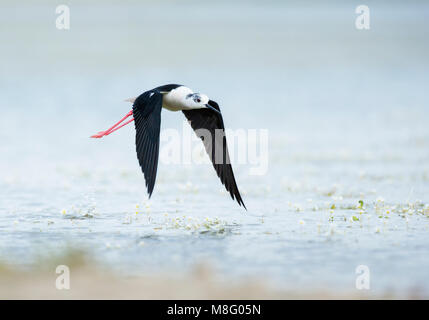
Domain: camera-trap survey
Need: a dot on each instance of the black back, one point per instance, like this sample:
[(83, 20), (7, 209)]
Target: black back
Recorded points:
[(167, 87)]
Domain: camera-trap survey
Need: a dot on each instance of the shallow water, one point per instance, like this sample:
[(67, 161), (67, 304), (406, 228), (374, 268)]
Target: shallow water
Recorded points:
[(346, 111)]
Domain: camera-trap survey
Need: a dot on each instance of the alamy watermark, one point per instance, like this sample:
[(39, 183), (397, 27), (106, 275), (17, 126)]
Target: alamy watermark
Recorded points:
[(363, 279), (248, 146), (362, 21), (62, 282), (63, 19)]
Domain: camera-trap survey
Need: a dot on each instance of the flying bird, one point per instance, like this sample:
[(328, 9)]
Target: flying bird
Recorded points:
[(204, 116)]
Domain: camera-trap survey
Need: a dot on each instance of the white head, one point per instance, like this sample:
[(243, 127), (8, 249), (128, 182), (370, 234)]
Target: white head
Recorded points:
[(184, 98), (196, 100)]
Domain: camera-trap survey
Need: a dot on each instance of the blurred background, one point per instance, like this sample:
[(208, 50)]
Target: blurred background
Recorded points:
[(346, 110)]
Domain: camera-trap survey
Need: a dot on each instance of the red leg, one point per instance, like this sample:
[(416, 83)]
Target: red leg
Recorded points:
[(111, 129)]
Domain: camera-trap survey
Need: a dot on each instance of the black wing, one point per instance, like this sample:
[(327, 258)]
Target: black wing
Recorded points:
[(147, 119), (208, 125)]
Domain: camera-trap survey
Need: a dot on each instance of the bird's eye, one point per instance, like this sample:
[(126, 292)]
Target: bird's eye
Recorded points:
[(198, 100)]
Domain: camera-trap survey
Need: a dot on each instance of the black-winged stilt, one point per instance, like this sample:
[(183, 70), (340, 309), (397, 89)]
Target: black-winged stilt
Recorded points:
[(202, 113)]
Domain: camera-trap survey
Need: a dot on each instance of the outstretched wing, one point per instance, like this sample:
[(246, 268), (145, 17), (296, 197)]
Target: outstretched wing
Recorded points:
[(208, 125), (147, 118)]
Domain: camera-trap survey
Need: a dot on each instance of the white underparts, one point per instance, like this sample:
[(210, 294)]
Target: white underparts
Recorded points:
[(178, 99), (175, 100)]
